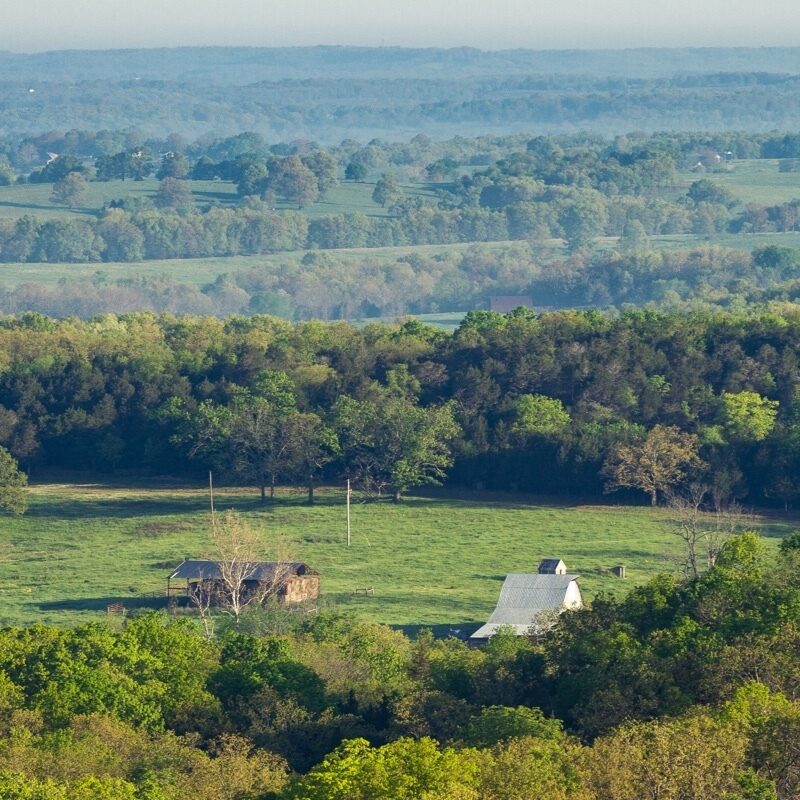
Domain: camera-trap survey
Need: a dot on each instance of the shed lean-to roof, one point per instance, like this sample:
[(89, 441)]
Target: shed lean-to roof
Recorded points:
[(522, 597), (199, 569)]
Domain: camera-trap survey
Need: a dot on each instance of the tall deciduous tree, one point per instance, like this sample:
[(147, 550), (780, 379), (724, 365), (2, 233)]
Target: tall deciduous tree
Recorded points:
[(174, 194), (251, 436), (293, 180), (654, 465), (387, 190), (325, 169), (173, 165), (393, 443), (69, 190), (583, 218), (312, 445), (355, 171)]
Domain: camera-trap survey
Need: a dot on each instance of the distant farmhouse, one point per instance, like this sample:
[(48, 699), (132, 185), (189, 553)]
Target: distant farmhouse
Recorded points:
[(530, 600), (288, 582)]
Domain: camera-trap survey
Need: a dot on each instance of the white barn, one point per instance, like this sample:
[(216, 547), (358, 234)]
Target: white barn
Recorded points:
[(527, 600)]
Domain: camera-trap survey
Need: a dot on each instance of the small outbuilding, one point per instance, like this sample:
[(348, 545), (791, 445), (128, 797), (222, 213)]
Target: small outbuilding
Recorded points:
[(287, 581), (552, 566), (530, 601)]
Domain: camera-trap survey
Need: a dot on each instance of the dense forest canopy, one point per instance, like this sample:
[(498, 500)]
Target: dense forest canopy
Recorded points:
[(566, 402)]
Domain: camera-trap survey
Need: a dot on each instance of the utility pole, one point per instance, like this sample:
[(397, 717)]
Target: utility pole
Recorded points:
[(211, 497), (348, 512)]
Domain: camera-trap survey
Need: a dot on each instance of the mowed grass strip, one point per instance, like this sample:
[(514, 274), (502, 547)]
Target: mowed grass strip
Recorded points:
[(436, 560)]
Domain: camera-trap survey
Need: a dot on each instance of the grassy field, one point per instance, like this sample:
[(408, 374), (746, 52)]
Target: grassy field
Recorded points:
[(436, 560), (35, 199), (199, 271), (752, 181)]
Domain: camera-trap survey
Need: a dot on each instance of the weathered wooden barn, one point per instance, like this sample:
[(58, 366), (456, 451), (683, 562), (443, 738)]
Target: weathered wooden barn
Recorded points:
[(529, 602), (287, 581)]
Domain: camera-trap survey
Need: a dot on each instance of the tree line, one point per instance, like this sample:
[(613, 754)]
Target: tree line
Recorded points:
[(554, 403), (351, 286), (297, 94), (576, 189)]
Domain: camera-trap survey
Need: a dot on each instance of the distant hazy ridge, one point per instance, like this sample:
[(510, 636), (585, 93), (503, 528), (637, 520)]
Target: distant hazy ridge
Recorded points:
[(330, 93)]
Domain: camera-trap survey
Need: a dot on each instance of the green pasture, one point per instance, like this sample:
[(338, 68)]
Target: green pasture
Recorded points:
[(431, 560), (754, 180), (200, 271), (35, 198)]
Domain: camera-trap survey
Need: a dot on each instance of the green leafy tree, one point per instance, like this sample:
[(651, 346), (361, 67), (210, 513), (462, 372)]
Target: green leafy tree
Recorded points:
[(250, 437), (312, 445), (634, 238), (291, 179), (583, 218), (747, 416), (706, 191), (13, 483), (252, 179), (123, 240), (173, 165), (140, 163), (325, 169), (406, 769), (393, 443), (175, 194), (387, 190), (538, 414), (355, 171), (70, 189), (498, 723), (694, 756)]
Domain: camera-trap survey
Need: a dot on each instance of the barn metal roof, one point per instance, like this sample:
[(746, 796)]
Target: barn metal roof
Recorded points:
[(199, 569), (522, 598)]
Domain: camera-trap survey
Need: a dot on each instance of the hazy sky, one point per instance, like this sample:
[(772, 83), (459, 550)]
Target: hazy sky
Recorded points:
[(489, 24)]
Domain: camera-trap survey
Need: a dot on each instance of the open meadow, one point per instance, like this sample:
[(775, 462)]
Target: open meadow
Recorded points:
[(200, 271), (750, 181), (432, 560), (755, 180), (348, 197)]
